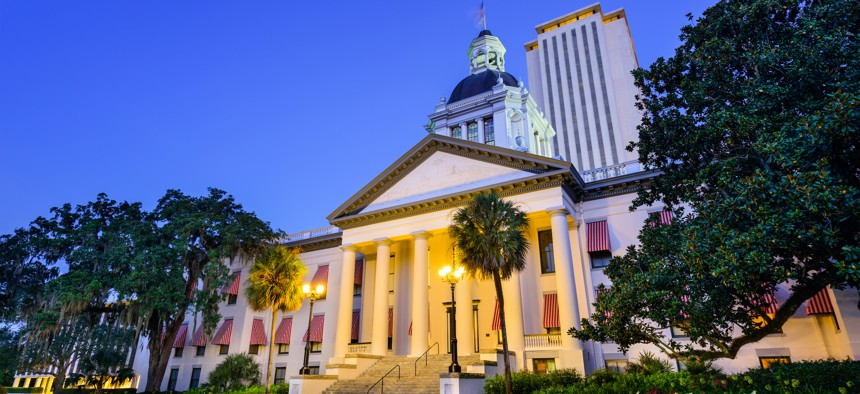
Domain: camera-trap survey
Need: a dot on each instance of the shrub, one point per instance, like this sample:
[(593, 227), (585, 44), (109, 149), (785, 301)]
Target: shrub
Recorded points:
[(90, 391), (2, 390), (24, 389), (649, 364), (828, 376), (236, 372), (281, 389), (528, 382)]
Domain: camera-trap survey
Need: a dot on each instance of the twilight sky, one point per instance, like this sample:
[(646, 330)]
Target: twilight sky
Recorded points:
[(291, 107)]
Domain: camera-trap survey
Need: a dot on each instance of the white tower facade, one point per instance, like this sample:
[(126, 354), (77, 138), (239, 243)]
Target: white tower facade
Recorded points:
[(491, 106), (579, 71)]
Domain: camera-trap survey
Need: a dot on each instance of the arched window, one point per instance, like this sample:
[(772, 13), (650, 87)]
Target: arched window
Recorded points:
[(456, 132)]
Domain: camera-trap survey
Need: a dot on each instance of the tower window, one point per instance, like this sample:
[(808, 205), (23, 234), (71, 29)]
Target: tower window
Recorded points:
[(472, 129), (456, 132), (489, 131)]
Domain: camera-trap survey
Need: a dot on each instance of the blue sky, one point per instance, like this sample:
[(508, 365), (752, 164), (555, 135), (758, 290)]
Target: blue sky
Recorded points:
[(291, 107)]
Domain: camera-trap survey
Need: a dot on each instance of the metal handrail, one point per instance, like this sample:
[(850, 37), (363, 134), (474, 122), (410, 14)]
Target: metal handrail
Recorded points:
[(381, 380), (426, 356)]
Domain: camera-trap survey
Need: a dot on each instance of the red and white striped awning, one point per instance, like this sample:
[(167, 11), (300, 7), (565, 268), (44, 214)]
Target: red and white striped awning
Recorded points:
[(359, 271), (768, 305), (819, 304), (686, 300), (320, 277), (597, 234), (497, 319), (356, 323), (233, 286), (258, 333), (199, 338), (390, 322), (665, 217), (550, 311), (285, 330), (222, 337), (179, 342), (317, 325)]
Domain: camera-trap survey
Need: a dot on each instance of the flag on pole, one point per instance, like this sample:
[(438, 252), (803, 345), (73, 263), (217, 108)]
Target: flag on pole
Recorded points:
[(481, 17)]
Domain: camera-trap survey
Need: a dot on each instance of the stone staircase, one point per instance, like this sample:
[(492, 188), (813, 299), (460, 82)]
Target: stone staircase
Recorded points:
[(426, 380)]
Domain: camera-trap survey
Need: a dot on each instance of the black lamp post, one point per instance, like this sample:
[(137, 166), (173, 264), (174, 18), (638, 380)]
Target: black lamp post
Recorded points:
[(311, 294), (452, 276)]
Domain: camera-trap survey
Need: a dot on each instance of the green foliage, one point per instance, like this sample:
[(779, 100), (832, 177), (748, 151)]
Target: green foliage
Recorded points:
[(804, 377), (754, 126), (828, 376), (529, 382), (284, 389), (24, 389), (25, 267), (649, 364), (237, 371), (91, 391), (2, 389), (9, 361), (490, 234)]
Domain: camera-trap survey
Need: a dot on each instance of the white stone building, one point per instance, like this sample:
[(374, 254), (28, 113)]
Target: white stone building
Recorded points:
[(379, 258)]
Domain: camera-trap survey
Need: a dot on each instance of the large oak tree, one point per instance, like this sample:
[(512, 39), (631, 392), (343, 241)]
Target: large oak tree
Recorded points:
[(754, 125)]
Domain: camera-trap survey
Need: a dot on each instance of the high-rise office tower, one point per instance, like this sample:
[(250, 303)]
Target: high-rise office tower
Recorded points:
[(579, 73)]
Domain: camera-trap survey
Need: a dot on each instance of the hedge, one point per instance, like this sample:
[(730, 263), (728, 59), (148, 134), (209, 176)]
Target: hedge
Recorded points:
[(830, 376), (90, 391), (24, 389)]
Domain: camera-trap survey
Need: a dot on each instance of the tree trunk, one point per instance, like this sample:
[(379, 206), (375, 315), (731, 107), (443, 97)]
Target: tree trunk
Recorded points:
[(60, 379), (498, 281), (271, 350), (159, 353)]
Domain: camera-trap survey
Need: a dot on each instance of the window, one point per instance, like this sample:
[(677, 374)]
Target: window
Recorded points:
[(472, 131), (356, 290), (678, 332), (280, 375), (489, 132), (499, 336), (600, 259), (283, 348), (553, 330), (171, 381), (391, 275), (543, 365), (316, 347), (547, 260), (254, 349), (223, 349), (177, 352), (315, 369), (456, 132), (767, 362), (231, 299), (195, 378), (201, 351), (615, 365), (390, 343)]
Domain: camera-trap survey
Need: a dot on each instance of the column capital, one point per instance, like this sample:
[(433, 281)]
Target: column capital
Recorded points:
[(383, 241), (557, 211), (421, 234), (348, 248)]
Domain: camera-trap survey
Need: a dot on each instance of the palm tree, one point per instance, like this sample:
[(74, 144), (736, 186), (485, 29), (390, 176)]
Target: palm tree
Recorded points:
[(275, 282), (490, 233)]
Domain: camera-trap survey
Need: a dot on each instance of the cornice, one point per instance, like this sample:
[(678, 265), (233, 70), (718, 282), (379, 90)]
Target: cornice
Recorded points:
[(317, 243), (432, 143)]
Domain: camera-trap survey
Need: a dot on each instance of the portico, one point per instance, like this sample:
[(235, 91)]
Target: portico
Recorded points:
[(399, 222)]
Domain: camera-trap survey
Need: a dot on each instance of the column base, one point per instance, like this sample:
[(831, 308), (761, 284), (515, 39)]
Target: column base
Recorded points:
[(310, 384), (456, 383)]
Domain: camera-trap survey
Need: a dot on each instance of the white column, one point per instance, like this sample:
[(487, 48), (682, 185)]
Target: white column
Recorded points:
[(568, 306), (514, 318), (480, 130), (379, 337), (465, 328), (344, 310), (464, 133), (420, 294)]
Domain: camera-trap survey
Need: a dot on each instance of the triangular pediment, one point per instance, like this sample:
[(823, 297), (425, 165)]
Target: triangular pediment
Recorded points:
[(440, 167)]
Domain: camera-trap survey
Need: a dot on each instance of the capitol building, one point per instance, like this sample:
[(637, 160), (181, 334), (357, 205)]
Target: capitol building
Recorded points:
[(557, 150)]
